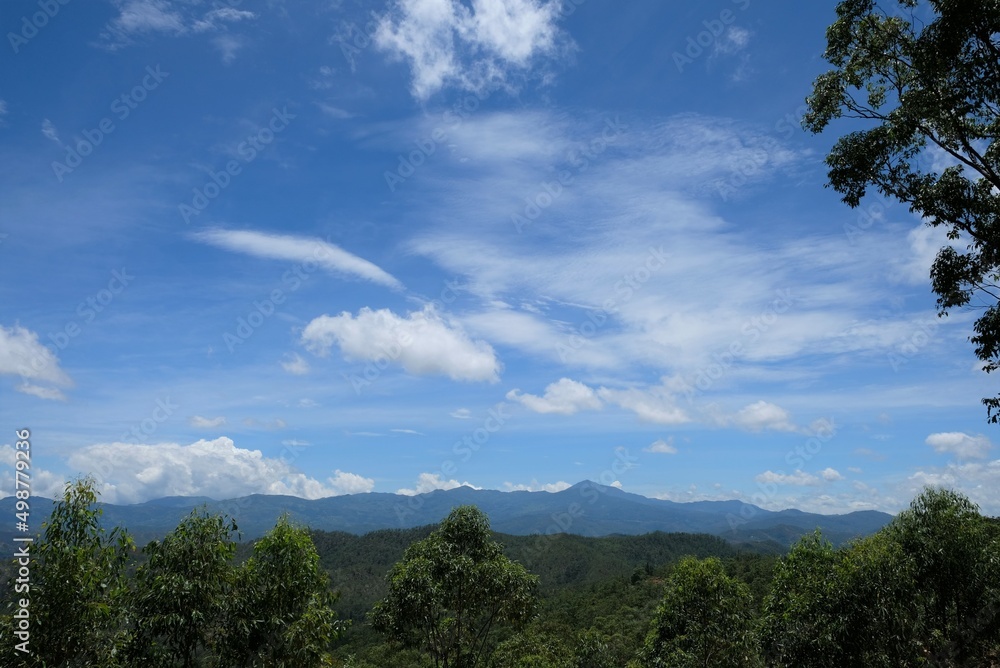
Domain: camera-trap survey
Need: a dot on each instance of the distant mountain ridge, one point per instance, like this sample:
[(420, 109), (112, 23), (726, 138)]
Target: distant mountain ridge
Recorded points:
[(586, 509)]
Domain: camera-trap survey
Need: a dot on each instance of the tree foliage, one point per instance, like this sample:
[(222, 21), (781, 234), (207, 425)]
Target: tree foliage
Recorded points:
[(923, 591), (705, 619), (181, 593), (281, 611), (931, 91), (452, 590), (78, 585)]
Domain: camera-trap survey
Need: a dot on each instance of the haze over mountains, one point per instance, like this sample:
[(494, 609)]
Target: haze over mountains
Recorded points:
[(587, 509)]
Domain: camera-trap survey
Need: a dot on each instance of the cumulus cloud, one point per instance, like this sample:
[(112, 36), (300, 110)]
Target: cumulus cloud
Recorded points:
[(428, 482), (350, 483), (763, 416), (447, 43), (662, 447), (977, 480), (207, 423), (535, 486), (461, 413), (303, 250), (131, 473), (44, 483), (22, 354), (831, 474), (423, 343), (563, 397), (961, 445)]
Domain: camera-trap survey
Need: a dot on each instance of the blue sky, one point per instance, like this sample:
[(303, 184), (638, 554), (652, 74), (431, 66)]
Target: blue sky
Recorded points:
[(338, 247)]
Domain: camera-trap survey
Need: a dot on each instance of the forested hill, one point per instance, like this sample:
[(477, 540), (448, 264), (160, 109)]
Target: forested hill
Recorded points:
[(358, 564), (585, 509)]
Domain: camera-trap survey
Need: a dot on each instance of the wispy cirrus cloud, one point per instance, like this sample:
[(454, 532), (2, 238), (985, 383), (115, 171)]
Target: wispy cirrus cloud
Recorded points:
[(138, 18), (298, 249)]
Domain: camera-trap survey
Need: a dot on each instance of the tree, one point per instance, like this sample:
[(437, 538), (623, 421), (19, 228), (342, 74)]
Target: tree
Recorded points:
[(931, 90), (281, 612), (181, 593), (705, 619), (925, 590), (954, 567), (452, 590), (78, 584)]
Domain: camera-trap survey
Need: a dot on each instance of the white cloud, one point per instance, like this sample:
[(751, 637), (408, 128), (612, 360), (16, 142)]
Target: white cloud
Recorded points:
[(295, 364), (962, 445), (44, 483), (350, 483), (207, 423), (142, 17), (798, 478), (831, 474), (735, 39), (23, 355), (428, 482), (980, 481), (449, 44), (662, 447), (461, 413), (216, 18), (52, 393), (228, 46), (563, 397), (653, 404), (412, 432), (49, 131), (134, 473), (422, 343), (302, 250), (761, 416), (535, 486)]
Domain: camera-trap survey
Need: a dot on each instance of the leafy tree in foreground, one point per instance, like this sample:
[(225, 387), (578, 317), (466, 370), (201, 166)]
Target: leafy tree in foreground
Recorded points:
[(705, 619), (925, 85), (954, 555), (925, 590), (452, 590), (78, 586), (282, 613), (182, 592)]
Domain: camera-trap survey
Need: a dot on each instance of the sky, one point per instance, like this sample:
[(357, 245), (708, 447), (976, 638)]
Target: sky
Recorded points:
[(340, 247)]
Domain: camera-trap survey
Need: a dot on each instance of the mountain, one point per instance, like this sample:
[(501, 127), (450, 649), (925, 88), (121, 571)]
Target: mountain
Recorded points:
[(585, 509)]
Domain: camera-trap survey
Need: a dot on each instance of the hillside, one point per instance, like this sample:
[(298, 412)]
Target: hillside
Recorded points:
[(585, 509)]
